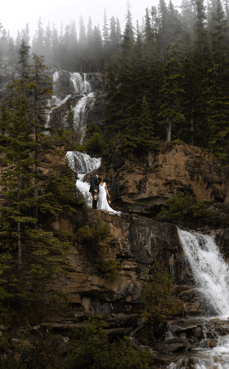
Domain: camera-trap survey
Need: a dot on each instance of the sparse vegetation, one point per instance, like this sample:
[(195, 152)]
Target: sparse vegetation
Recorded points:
[(183, 207), (110, 269), (92, 350), (156, 294)]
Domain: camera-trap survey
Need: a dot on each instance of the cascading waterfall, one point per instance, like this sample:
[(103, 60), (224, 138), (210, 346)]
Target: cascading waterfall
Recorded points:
[(83, 164), (55, 100), (80, 113), (211, 274), (82, 88), (209, 269), (81, 85)]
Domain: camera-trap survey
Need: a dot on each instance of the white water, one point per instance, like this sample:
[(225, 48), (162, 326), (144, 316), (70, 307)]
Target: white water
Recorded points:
[(209, 269), (86, 102), (211, 274), (57, 102), (79, 111), (81, 85), (83, 164)]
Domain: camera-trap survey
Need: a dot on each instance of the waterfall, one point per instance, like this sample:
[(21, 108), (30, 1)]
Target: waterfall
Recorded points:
[(57, 102), (83, 164), (80, 113), (209, 269), (81, 85), (211, 274), (81, 88)]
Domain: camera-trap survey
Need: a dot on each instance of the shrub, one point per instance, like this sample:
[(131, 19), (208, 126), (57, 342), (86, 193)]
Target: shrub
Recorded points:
[(95, 239), (183, 207), (110, 269), (25, 352), (92, 350), (94, 144), (156, 295)]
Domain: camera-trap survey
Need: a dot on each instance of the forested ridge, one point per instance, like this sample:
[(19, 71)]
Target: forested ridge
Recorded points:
[(167, 77)]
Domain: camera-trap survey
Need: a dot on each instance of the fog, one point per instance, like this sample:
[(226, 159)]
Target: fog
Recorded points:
[(15, 14)]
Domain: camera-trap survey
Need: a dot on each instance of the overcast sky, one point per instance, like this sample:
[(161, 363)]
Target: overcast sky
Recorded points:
[(16, 13)]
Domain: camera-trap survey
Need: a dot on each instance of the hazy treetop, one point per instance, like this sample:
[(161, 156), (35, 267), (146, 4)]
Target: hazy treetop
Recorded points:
[(15, 17)]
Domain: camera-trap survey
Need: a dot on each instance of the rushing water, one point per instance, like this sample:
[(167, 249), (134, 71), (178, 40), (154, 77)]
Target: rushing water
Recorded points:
[(83, 89), (209, 269), (81, 85), (80, 113), (211, 274), (83, 164)]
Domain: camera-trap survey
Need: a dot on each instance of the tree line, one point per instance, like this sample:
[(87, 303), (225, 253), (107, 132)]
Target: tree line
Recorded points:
[(166, 77), (170, 81)]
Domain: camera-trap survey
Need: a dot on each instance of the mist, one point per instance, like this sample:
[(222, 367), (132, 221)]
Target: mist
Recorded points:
[(57, 12)]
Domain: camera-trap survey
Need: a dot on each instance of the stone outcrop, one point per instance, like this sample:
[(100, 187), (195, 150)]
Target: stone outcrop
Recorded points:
[(142, 185), (136, 243)]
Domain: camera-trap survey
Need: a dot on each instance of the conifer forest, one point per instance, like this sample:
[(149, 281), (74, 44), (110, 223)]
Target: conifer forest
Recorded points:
[(165, 80), (166, 76)]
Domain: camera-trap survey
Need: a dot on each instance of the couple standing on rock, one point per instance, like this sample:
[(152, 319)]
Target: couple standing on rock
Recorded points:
[(99, 191)]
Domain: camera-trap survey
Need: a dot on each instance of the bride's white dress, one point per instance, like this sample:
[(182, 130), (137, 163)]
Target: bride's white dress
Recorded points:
[(102, 203)]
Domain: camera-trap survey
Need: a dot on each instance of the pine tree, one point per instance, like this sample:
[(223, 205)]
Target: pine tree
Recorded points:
[(170, 113), (23, 61), (146, 129), (56, 196), (217, 93), (39, 86), (129, 22)]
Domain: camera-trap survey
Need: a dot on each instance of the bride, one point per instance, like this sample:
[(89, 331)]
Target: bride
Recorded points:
[(102, 199)]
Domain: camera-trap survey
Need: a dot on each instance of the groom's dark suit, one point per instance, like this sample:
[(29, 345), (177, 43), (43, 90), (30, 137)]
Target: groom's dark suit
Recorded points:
[(94, 182)]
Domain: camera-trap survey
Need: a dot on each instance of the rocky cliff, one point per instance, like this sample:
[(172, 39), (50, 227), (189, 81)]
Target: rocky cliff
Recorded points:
[(141, 185)]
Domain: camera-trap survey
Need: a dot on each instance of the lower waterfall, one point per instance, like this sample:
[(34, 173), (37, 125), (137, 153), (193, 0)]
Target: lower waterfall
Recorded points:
[(211, 274), (209, 269), (83, 164)]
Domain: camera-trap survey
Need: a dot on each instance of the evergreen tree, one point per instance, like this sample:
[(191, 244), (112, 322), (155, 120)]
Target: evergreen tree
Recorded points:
[(23, 61), (170, 113), (39, 86), (217, 93), (146, 129), (129, 22)]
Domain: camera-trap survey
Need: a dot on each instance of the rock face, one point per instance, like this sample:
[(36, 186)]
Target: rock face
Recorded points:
[(136, 243), (142, 186)]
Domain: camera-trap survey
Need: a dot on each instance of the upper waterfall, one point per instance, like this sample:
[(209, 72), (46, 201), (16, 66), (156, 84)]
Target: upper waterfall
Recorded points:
[(81, 85), (210, 271), (79, 88)]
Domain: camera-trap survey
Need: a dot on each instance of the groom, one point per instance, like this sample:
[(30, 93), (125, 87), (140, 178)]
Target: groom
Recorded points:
[(94, 189)]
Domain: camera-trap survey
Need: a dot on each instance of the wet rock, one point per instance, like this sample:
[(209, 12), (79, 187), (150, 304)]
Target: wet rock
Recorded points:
[(60, 327), (197, 332), (175, 344), (122, 320), (115, 333), (208, 343)]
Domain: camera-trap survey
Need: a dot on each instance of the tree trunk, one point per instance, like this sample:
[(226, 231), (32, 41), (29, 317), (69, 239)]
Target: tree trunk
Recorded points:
[(19, 239), (36, 160), (192, 129), (169, 128)]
